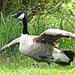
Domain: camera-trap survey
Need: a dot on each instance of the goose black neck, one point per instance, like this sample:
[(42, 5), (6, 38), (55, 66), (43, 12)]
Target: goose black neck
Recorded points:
[(24, 26)]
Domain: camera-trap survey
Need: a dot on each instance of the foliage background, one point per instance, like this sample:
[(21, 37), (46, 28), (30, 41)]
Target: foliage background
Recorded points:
[(41, 15)]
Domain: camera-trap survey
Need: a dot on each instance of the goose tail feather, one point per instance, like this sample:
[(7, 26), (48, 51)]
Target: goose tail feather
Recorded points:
[(70, 54)]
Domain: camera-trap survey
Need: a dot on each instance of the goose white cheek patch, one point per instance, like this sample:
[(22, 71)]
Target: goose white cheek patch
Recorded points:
[(21, 16)]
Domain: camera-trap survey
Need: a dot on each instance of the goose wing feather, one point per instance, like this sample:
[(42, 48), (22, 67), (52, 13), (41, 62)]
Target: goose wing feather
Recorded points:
[(53, 35), (16, 41)]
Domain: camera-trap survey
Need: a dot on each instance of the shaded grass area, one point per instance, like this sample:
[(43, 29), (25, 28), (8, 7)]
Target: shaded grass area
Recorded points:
[(25, 67), (22, 65)]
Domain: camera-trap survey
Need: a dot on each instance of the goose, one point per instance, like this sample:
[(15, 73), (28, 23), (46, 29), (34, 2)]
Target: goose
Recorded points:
[(41, 48)]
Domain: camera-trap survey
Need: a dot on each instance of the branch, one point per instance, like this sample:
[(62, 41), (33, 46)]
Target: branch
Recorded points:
[(41, 6), (54, 7), (51, 9)]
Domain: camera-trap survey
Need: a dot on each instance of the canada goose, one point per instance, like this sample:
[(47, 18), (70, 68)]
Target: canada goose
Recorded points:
[(41, 47)]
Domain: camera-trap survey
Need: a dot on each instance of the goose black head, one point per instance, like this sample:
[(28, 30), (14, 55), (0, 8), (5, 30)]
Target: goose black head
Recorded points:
[(21, 15), (18, 15)]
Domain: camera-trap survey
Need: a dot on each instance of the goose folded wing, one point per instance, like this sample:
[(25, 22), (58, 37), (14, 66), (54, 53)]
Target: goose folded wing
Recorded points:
[(16, 41), (53, 35)]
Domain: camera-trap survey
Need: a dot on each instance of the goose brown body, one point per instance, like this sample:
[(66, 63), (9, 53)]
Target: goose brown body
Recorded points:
[(34, 49)]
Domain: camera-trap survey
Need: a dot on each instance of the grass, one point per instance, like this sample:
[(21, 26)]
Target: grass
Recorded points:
[(22, 65), (25, 67)]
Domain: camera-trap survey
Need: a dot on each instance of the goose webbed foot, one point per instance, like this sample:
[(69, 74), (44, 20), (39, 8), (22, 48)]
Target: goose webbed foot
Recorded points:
[(45, 56)]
